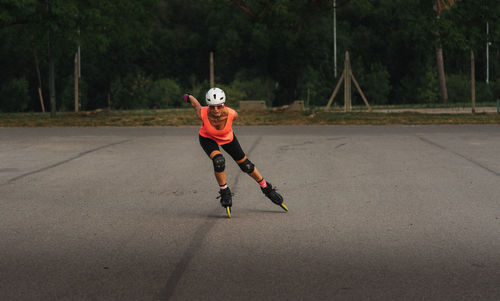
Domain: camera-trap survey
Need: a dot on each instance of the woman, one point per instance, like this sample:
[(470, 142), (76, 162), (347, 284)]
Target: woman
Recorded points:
[(217, 129)]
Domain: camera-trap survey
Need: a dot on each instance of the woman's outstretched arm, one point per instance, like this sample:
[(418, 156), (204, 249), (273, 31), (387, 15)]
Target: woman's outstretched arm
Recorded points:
[(194, 103)]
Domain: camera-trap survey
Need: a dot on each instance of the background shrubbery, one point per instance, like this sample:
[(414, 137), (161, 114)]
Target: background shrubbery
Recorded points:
[(146, 54), (459, 89), (14, 95)]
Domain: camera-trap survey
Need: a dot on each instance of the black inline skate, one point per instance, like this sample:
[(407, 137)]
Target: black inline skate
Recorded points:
[(226, 200), (274, 196)]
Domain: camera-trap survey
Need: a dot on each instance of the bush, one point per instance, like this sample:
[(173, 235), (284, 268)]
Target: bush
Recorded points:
[(428, 90), (68, 94), (320, 89), (130, 92), (118, 93), (14, 95), (458, 86), (163, 93), (198, 89), (141, 92), (495, 89), (254, 88), (375, 84), (233, 95), (418, 86), (484, 92), (459, 89)]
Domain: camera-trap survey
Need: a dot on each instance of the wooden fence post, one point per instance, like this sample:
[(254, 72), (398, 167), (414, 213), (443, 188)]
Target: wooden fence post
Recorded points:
[(360, 92), (76, 82), (347, 84), (212, 72), (473, 80), (335, 91), (347, 76)]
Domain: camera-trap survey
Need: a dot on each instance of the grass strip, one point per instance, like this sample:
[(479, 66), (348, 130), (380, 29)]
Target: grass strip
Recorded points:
[(188, 117)]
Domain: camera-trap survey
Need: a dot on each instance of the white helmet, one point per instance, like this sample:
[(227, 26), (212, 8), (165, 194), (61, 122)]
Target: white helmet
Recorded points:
[(215, 97)]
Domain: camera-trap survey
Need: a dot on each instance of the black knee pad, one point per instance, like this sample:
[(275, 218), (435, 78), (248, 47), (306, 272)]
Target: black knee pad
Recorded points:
[(247, 166), (219, 163)]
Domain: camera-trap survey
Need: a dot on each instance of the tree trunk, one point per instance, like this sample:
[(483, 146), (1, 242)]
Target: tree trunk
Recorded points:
[(37, 66), (442, 77), (52, 84), (439, 58)]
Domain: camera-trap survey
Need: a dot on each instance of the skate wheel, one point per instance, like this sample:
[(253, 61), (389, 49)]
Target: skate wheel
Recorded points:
[(228, 210), (284, 207)]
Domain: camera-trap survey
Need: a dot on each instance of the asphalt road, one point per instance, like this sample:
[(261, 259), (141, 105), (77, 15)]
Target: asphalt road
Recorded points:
[(376, 213)]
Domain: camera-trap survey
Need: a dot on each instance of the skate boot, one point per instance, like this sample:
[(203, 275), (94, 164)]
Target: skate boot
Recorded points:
[(226, 200), (274, 196)]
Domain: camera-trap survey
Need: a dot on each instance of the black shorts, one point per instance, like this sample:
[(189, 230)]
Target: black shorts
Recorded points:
[(233, 148)]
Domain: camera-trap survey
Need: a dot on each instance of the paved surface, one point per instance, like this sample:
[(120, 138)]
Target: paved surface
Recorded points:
[(376, 213)]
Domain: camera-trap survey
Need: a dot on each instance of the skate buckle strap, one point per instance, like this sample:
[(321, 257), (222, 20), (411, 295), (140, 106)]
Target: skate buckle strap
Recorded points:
[(269, 189), (219, 196)]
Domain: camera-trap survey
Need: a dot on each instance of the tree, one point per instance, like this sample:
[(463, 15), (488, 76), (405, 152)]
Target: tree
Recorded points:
[(95, 25), (277, 50), (439, 6), (293, 29)]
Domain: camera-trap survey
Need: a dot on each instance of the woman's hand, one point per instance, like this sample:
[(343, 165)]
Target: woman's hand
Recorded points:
[(194, 104)]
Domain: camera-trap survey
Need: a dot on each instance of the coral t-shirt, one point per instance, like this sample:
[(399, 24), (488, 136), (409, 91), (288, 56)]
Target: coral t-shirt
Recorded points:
[(223, 136)]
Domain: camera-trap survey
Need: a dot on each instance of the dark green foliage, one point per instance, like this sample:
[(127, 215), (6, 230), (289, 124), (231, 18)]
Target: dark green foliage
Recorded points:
[(146, 54), (375, 84), (460, 89), (163, 93), (233, 95), (254, 88), (495, 89), (129, 92), (14, 95), (67, 96)]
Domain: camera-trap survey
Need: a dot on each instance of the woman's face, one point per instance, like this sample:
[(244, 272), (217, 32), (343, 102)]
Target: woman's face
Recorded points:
[(216, 110)]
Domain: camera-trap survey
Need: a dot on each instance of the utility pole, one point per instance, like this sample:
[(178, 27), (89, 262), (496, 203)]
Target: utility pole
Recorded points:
[(487, 53), (335, 37)]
